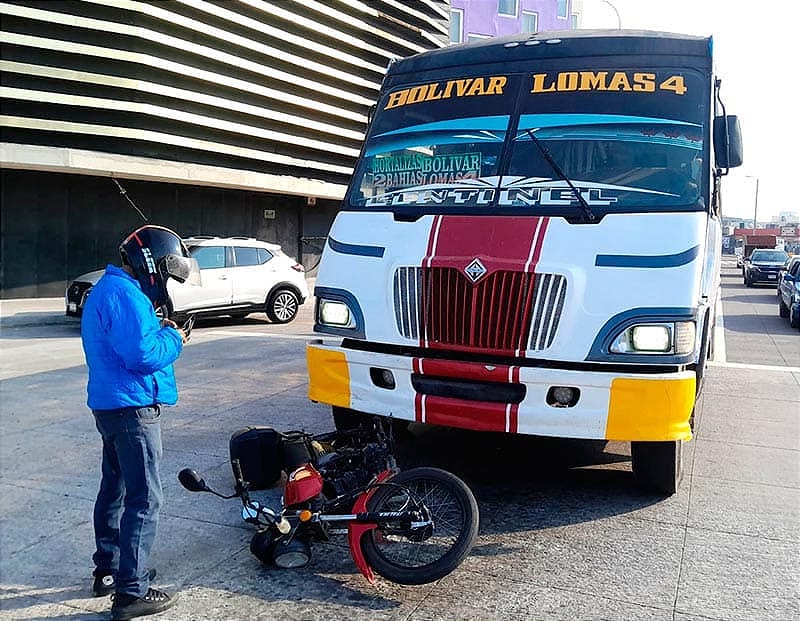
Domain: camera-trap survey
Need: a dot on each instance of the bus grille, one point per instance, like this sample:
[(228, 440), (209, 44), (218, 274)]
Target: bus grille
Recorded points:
[(442, 307)]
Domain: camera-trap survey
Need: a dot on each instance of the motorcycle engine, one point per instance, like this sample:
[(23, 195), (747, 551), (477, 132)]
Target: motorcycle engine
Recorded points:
[(351, 468)]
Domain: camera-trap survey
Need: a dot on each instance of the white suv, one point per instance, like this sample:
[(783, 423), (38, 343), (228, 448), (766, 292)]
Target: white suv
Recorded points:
[(240, 275)]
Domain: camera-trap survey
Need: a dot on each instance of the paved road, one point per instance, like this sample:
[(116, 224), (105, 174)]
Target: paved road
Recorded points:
[(564, 535)]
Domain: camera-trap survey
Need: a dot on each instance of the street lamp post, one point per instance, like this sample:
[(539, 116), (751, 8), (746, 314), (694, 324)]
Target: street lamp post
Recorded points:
[(755, 208), (619, 21)]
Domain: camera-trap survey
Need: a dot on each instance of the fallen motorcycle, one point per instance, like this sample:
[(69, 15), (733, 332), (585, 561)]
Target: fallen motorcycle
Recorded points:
[(411, 527)]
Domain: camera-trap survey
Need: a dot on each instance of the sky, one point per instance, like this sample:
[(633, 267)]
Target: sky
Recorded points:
[(754, 43)]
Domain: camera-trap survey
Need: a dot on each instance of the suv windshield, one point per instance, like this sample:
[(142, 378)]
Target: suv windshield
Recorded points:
[(771, 256)]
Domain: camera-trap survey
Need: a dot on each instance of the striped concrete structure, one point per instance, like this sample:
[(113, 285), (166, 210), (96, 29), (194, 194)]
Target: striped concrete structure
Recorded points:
[(253, 96)]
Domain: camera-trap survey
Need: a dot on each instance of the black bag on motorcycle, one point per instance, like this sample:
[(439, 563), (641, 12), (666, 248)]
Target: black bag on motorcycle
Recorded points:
[(260, 454), (298, 449)]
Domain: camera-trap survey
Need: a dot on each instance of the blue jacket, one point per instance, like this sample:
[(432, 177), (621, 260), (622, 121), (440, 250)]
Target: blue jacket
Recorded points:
[(129, 354)]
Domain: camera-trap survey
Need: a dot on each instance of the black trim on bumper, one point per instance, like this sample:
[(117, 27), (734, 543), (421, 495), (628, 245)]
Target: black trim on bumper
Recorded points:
[(468, 390), (459, 356)]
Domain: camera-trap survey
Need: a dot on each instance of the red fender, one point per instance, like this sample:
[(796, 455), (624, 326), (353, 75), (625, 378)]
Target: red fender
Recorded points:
[(355, 530)]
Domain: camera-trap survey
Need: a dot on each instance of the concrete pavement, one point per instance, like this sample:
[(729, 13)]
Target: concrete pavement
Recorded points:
[(562, 536)]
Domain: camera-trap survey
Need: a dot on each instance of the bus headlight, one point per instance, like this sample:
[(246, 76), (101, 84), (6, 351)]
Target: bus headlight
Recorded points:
[(335, 313), (651, 338), (656, 338)]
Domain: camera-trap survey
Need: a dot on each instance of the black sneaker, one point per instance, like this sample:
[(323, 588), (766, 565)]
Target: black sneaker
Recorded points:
[(104, 583), (129, 606)]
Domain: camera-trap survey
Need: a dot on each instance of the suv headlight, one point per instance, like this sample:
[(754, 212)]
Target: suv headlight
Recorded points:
[(335, 313), (656, 338)]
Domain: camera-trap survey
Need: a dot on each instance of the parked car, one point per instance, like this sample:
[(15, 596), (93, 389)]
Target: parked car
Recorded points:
[(789, 292), (239, 276), (781, 273), (763, 265)]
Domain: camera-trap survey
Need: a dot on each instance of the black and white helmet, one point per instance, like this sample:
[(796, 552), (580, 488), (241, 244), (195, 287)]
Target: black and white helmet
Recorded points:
[(156, 254)]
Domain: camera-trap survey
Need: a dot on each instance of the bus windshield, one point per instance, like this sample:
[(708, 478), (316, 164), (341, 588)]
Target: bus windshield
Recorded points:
[(627, 160), (431, 156), (465, 155)]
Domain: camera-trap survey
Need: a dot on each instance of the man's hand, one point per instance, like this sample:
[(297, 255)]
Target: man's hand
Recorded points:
[(166, 322)]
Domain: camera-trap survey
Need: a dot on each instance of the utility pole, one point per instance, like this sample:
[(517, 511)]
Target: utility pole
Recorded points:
[(755, 210)]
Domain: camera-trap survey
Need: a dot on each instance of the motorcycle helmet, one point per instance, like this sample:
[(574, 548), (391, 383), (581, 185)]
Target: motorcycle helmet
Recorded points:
[(156, 254)]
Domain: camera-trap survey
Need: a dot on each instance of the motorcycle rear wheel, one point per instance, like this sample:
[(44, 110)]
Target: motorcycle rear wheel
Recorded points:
[(400, 559)]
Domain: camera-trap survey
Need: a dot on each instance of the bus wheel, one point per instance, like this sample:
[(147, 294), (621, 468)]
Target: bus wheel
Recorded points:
[(657, 466)]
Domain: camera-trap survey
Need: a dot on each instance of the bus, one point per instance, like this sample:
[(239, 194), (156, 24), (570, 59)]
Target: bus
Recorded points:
[(530, 243)]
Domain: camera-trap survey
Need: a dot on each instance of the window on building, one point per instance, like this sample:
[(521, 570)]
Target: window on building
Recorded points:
[(456, 21), (574, 21), (477, 37), (563, 9), (507, 7), (530, 21)]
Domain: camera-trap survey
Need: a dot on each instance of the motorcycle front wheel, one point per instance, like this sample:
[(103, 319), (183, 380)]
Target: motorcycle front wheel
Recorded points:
[(404, 556)]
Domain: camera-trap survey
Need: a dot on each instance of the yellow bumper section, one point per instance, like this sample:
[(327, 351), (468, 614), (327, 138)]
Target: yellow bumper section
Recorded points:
[(328, 376), (650, 409)]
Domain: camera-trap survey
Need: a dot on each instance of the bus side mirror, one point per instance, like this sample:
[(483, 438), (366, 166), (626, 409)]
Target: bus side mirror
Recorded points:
[(727, 142)]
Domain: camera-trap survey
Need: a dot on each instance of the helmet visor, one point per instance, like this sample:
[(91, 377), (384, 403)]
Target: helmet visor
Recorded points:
[(183, 269)]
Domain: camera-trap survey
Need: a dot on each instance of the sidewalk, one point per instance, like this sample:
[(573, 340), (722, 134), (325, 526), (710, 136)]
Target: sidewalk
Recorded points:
[(555, 542), (33, 312)]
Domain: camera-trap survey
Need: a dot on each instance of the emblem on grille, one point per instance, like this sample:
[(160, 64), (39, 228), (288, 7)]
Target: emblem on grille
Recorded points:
[(475, 270)]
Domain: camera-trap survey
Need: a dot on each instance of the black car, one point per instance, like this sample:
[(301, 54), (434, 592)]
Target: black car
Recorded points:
[(763, 266)]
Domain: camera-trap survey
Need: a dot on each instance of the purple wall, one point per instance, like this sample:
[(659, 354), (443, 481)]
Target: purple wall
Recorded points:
[(480, 16)]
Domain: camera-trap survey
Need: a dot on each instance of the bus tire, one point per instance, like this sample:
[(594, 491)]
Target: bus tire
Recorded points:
[(657, 466)]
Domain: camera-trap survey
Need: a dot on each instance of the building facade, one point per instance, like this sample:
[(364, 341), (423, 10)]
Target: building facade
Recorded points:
[(213, 117), (480, 19)]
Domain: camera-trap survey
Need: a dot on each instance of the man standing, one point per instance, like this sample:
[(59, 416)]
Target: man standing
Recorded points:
[(130, 352)]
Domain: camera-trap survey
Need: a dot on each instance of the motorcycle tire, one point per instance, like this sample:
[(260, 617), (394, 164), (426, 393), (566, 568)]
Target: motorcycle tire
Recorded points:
[(412, 559)]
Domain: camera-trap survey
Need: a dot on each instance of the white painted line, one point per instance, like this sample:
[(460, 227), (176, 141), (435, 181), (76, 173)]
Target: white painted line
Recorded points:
[(213, 334), (753, 367), (720, 354)]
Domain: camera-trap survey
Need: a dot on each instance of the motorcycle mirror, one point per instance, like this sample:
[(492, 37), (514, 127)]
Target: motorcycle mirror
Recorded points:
[(192, 481), (251, 511)]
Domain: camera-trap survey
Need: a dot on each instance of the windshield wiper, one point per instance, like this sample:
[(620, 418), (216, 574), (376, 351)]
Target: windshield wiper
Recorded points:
[(587, 211)]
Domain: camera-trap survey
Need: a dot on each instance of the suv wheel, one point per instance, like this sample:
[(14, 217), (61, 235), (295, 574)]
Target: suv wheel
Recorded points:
[(282, 306)]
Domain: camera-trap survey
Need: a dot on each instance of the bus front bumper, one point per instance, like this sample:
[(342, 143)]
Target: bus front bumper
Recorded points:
[(469, 395)]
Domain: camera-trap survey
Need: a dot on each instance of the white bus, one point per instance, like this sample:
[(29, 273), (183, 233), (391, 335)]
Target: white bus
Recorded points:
[(531, 243)]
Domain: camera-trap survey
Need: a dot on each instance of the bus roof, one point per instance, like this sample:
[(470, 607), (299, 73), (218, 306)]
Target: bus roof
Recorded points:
[(559, 44)]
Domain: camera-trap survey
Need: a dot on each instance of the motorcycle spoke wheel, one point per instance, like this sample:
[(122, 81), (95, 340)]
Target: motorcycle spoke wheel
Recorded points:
[(403, 556)]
